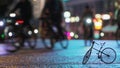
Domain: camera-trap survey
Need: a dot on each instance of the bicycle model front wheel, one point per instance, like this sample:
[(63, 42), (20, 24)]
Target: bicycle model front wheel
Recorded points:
[(86, 56), (108, 55), (118, 36)]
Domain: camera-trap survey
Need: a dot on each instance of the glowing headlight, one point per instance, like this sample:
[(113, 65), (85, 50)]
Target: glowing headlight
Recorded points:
[(89, 20), (16, 23), (10, 34), (12, 15), (1, 23), (35, 31), (30, 32), (71, 34), (102, 34)]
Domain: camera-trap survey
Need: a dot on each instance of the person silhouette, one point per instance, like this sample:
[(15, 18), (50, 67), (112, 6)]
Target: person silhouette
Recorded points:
[(87, 26)]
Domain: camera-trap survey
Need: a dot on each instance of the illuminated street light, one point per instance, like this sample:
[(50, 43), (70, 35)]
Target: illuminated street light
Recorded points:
[(106, 17), (98, 16), (67, 20), (77, 19), (72, 19), (71, 34), (101, 34), (98, 23), (88, 20), (67, 14), (76, 36)]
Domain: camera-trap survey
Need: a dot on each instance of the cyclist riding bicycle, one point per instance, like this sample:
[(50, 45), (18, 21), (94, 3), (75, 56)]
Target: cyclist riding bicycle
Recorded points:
[(25, 13)]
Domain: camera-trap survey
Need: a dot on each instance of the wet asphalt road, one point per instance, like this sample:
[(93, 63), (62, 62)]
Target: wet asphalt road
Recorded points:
[(58, 58)]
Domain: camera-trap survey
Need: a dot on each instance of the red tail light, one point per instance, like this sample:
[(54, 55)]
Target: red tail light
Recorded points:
[(20, 21)]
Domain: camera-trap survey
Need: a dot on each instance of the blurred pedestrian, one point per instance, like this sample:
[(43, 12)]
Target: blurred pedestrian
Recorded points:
[(57, 15), (117, 13), (45, 18), (54, 11), (86, 19)]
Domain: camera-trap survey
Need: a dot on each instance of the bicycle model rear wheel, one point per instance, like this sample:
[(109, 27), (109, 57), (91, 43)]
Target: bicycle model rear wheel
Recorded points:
[(118, 37), (86, 56), (108, 55)]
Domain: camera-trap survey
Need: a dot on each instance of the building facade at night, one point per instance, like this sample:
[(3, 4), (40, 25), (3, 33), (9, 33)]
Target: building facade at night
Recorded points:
[(76, 8), (98, 6)]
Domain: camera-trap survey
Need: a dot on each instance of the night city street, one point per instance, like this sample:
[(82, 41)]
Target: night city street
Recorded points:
[(53, 33), (57, 58)]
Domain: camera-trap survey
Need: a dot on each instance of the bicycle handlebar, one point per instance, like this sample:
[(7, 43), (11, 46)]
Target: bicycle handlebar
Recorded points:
[(97, 43)]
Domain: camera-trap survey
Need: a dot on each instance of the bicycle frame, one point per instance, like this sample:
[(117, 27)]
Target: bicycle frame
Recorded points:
[(99, 50)]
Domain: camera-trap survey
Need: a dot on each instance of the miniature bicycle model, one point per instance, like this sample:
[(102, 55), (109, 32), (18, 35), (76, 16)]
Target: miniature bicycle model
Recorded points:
[(106, 55)]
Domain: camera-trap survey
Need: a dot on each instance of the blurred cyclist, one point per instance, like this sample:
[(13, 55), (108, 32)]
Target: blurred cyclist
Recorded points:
[(25, 13), (86, 19), (54, 10)]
